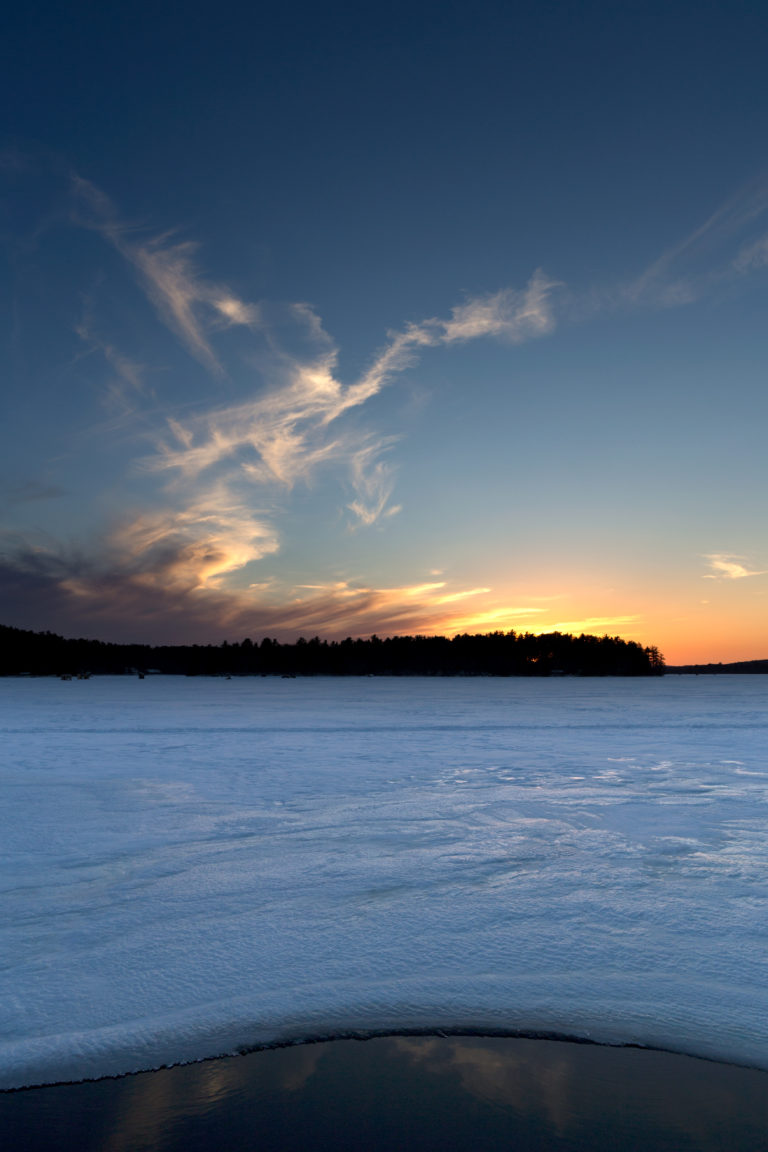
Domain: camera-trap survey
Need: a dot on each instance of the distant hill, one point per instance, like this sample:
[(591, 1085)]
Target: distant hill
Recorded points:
[(492, 654), (740, 667)]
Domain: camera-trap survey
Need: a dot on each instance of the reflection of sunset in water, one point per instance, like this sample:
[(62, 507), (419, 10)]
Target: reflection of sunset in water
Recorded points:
[(495, 1071), (566, 1085), (154, 1102), (151, 1101)]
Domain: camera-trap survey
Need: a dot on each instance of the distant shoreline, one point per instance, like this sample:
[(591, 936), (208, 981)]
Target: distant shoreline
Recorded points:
[(738, 667)]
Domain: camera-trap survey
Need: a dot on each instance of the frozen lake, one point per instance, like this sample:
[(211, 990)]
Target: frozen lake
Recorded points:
[(193, 866)]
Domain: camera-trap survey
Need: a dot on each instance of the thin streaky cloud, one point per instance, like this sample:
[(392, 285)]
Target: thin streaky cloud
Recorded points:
[(589, 622), (727, 566), (676, 277), (174, 286), (188, 304), (507, 315), (454, 597), (510, 315), (285, 433), (752, 256), (373, 481), (496, 617), (148, 597), (728, 219), (292, 426), (128, 376)]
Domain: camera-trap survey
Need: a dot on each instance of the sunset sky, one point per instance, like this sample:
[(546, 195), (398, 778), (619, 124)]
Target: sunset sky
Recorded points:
[(427, 317)]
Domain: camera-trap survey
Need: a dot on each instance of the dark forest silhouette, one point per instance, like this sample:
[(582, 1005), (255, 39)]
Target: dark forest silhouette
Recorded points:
[(491, 654)]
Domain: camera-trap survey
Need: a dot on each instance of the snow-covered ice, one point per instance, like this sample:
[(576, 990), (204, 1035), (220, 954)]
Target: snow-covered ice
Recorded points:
[(189, 866)]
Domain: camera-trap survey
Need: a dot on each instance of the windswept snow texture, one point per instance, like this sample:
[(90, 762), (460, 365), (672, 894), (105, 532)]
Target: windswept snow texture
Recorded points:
[(189, 866)]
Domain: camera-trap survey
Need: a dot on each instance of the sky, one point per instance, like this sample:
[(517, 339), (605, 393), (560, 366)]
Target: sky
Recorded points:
[(425, 318)]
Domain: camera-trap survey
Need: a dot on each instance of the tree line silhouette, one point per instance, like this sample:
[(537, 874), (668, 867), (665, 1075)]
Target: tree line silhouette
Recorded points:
[(737, 668), (490, 654)]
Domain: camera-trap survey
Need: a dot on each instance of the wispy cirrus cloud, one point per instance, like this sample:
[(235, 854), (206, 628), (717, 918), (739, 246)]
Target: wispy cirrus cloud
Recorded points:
[(510, 315), (727, 566), (293, 423), (191, 305), (373, 481), (730, 244), (308, 390), (225, 470), (287, 431), (128, 376)]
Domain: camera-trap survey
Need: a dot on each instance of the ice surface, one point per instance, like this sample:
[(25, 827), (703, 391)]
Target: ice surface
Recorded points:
[(189, 866)]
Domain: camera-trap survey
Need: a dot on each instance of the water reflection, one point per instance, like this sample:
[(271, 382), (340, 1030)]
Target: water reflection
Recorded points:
[(446, 1093)]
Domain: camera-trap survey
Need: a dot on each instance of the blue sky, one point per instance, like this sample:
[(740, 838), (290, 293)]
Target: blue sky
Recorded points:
[(428, 318)]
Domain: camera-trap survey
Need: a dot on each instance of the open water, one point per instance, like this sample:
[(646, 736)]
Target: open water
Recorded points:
[(398, 1094)]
